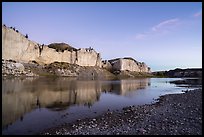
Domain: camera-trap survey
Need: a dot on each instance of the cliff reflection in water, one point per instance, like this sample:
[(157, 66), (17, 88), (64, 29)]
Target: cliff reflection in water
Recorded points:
[(20, 96)]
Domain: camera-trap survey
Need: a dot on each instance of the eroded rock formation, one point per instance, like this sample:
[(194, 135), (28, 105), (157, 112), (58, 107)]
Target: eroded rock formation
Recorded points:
[(126, 64), (15, 46)]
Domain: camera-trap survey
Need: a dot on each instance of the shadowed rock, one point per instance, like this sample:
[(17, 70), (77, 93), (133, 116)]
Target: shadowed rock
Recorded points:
[(61, 47)]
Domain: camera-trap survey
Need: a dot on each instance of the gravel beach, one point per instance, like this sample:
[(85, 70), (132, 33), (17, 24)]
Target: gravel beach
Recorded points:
[(174, 114)]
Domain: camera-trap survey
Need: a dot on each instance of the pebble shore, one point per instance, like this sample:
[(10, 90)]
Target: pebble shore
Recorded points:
[(174, 114)]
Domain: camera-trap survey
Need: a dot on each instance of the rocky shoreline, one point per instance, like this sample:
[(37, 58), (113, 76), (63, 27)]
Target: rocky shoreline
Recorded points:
[(15, 69), (12, 68), (174, 114)]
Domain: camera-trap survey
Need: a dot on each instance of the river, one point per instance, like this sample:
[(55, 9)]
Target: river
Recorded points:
[(31, 105)]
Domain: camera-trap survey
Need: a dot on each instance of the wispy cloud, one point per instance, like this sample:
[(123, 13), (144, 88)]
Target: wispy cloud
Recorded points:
[(161, 28), (198, 14), (140, 36), (165, 24)]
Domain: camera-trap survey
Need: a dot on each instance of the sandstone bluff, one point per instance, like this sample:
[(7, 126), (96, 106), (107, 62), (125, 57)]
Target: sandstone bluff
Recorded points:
[(16, 47)]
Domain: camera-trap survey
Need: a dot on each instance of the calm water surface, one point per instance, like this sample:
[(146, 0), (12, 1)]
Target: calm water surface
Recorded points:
[(32, 105)]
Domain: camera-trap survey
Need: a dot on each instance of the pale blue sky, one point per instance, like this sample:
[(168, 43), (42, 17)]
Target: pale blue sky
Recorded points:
[(163, 35)]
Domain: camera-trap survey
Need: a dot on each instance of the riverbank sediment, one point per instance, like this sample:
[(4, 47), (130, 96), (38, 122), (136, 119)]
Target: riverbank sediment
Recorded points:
[(174, 114), (12, 68)]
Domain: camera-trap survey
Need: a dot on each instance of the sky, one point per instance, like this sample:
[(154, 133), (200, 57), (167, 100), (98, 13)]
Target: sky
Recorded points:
[(164, 35)]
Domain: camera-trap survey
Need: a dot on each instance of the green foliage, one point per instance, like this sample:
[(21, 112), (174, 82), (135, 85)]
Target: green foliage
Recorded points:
[(161, 74)]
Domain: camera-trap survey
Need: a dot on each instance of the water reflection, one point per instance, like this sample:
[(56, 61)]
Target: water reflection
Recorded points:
[(20, 96)]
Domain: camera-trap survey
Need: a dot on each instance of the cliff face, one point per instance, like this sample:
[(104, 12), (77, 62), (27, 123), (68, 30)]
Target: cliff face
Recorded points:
[(17, 47), (129, 64)]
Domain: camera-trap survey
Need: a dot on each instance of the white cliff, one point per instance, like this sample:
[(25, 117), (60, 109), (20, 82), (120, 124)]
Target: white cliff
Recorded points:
[(16, 46)]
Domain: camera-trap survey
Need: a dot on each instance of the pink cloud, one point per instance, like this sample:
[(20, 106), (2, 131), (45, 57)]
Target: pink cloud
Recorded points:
[(198, 14)]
